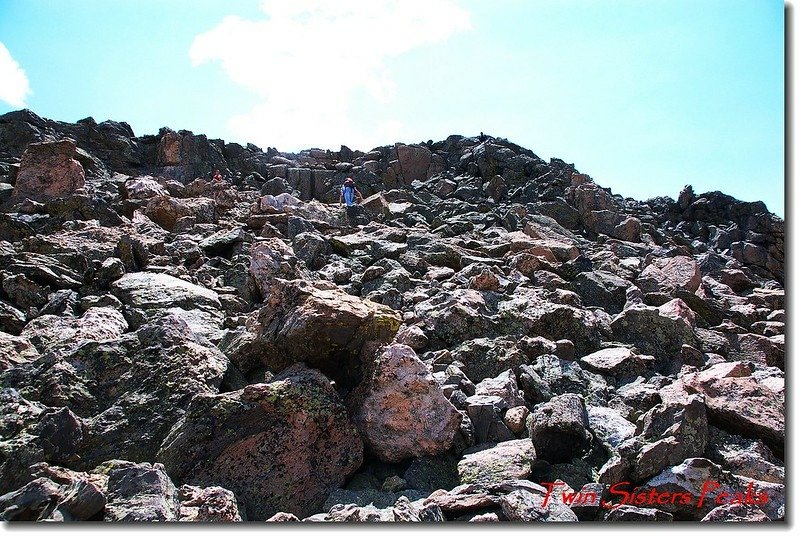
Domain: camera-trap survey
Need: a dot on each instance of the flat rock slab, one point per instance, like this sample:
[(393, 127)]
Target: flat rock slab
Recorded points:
[(489, 463), (147, 290)]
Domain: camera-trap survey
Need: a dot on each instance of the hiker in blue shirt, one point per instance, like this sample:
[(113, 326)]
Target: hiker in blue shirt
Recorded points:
[(350, 193)]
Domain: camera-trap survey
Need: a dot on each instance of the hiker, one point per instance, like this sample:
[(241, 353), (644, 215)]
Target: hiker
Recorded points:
[(350, 193), (217, 176)]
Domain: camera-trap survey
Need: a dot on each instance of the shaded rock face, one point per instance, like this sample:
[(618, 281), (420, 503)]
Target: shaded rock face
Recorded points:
[(401, 411), (559, 332), (559, 428), (653, 332), (49, 170), (281, 446)]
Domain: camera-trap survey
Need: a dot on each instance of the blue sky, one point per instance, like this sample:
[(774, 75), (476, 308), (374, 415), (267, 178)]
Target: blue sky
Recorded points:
[(645, 96)]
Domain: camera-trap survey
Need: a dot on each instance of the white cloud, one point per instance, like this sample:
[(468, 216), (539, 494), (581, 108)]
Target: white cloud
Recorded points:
[(309, 60), (14, 87)]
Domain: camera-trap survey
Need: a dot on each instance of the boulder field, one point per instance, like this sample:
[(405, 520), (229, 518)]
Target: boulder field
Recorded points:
[(489, 336)]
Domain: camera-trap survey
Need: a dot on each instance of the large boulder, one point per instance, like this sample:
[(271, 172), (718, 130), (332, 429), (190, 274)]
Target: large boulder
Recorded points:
[(56, 494), (455, 317), (143, 188), (327, 329), (280, 446), (602, 289), (708, 486), (413, 162), (653, 332), (666, 434), (15, 350), (123, 396), (49, 170), (617, 362), (166, 210), (668, 275), (401, 411), (154, 291), (486, 357), (740, 403), (60, 333), (210, 504), (270, 260), (747, 457)]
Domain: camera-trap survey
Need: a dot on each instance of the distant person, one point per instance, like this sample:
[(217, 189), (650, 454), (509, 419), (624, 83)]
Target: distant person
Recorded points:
[(350, 193), (217, 176), (482, 137)]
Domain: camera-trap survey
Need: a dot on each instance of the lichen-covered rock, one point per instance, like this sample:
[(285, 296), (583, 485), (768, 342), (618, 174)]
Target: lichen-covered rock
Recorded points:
[(144, 187), (609, 426), (401, 411), (281, 446), (744, 456), (671, 274), (653, 332), (736, 513), (272, 259), (128, 392), (455, 317), (166, 210), (616, 361), (603, 289), (488, 357), (413, 336), (485, 464), (55, 494), (153, 291), (703, 480), (632, 513), (525, 506), (741, 404), (503, 386)]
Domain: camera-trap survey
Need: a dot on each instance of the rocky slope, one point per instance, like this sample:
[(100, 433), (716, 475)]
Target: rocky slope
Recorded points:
[(488, 337)]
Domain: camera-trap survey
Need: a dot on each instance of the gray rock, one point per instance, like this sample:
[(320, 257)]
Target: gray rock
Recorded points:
[(609, 426), (558, 428), (152, 291), (140, 493), (210, 504), (525, 506), (631, 513), (503, 386)]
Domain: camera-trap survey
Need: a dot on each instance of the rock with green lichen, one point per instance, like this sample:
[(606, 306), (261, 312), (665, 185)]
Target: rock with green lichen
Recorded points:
[(280, 446), (485, 464), (128, 392)]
